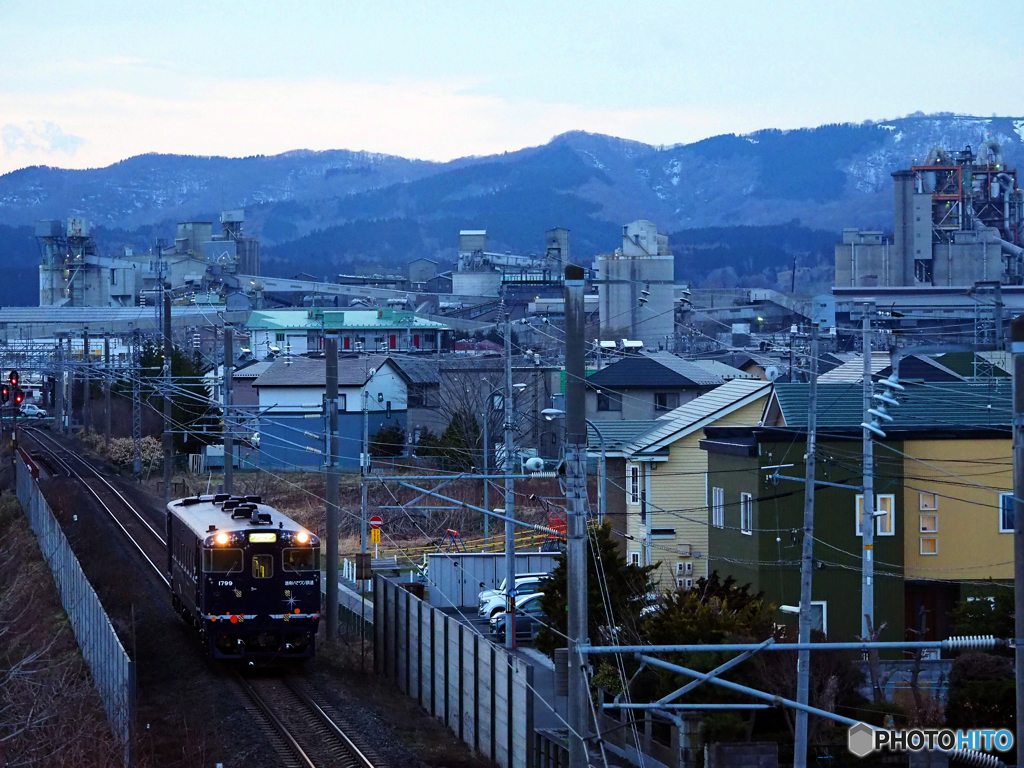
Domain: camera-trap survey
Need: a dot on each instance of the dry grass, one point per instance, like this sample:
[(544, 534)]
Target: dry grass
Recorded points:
[(49, 713)]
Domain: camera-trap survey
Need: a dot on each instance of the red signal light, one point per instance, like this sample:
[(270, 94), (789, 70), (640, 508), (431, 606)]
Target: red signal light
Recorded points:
[(19, 398), (13, 378), (5, 394)]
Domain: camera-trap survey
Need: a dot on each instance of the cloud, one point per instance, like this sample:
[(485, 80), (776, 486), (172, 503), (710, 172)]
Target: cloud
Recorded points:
[(39, 138)]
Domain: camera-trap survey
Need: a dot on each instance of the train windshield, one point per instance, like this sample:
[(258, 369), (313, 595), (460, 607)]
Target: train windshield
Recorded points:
[(262, 566), (222, 560), (306, 559)]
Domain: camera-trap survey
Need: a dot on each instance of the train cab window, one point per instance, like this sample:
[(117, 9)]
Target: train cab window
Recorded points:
[(222, 560), (262, 566), (306, 559)]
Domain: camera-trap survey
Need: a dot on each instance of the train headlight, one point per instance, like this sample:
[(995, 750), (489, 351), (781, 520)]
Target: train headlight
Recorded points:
[(302, 537), (222, 538)]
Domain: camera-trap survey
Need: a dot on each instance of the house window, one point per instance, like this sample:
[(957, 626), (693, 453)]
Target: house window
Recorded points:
[(885, 517), (746, 513), (929, 545), (279, 337), (609, 401), (663, 533), (1006, 513), (665, 401), (634, 484), (929, 502), (718, 507), (929, 523), (634, 558)]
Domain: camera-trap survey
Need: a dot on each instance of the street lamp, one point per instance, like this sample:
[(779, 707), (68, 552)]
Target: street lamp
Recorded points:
[(602, 491)]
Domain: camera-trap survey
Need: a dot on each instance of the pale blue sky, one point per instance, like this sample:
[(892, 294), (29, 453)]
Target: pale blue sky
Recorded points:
[(87, 84)]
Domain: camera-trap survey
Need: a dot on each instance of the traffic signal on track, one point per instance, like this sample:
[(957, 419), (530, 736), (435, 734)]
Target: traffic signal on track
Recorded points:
[(5, 394), (19, 398), (13, 378)]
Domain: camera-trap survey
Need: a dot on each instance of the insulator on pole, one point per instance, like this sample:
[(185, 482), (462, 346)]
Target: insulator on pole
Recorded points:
[(969, 642)]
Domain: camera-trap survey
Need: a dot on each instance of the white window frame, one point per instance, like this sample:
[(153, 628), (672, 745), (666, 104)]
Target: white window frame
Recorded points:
[(747, 514), (718, 507), (922, 529), (1002, 510), (824, 615), (934, 496), (920, 549), (891, 514), (634, 484), (634, 558)]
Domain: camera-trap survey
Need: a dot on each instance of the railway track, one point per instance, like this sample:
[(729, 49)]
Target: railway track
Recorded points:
[(298, 723), (133, 524)]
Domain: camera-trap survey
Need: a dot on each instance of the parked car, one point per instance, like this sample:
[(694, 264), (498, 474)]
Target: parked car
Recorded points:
[(529, 618), (493, 601), (32, 411)]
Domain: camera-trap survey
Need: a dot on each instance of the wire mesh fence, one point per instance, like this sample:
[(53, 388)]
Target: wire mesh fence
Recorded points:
[(112, 670)]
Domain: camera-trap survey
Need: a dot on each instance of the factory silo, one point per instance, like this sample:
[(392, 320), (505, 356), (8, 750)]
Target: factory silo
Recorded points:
[(635, 287)]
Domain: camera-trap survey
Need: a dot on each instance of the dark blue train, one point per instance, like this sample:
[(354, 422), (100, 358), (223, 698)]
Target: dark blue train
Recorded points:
[(246, 576)]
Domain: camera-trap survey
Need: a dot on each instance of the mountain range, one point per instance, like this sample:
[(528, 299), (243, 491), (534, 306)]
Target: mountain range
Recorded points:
[(747, 203)]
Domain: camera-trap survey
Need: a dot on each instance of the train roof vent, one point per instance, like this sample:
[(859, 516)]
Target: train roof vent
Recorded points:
[(254, 499), (241, 511), (261, 518), (220, 498), (230, 504)]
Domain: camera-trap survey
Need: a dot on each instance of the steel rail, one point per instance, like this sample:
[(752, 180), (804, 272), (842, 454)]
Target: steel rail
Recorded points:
[(107, 483), (60, 460), (357, 753), (275, 722)]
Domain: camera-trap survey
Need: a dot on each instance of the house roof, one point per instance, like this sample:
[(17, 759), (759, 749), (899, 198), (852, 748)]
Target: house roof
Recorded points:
[(852, 371), (252, 370), (727, 372), (922, 405), (659, 369), (698, 413), (963, 362), (922, 368), (420, 370), (312, 371), (617, 434), (340, 320)]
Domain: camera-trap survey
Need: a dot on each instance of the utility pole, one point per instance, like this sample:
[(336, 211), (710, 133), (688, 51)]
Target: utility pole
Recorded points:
[(867, 524), (576, 513), (58, 386), (331, 407), (803, 662), (229, 427), (510, 512), (86, 393), (487, 483), (168, 435), (1017, 349), (364, 464), (106, 388), (136, 406)]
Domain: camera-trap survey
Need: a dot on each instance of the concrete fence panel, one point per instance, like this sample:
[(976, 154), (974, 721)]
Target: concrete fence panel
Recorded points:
[(112, 670)]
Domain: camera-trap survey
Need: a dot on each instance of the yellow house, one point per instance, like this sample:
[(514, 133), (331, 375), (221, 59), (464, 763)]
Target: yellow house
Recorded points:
[(666, 485), (958, 504)]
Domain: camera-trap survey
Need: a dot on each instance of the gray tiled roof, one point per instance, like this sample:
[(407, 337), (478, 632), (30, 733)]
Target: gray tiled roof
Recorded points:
[(660, 369), (921, 405), (312, 372), (617, 434)]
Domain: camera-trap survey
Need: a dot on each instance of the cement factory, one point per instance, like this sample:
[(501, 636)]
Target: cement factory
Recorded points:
[(957, 236)]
